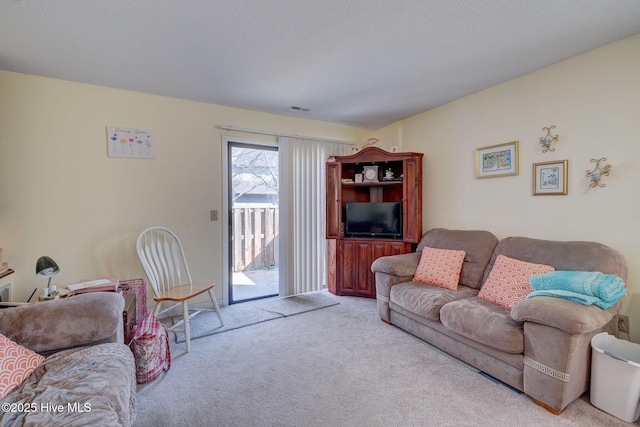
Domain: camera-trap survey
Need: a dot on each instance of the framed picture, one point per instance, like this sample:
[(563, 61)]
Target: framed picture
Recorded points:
[(132, 143), (497, 160), (550, 178)]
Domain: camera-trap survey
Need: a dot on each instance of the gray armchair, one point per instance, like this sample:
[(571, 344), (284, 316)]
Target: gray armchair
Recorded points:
[(86, 362)]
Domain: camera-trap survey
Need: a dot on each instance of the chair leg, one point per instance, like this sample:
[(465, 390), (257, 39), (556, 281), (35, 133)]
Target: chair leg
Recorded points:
[(215, 306), (175, 333), (156, 309), (187, 332)]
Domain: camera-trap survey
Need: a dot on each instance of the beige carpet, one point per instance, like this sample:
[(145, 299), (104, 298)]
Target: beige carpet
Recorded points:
[(245, 314), (339, 366)]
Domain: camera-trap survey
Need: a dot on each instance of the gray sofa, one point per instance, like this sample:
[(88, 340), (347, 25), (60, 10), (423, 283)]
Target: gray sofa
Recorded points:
[(540, 347), (88, 374)]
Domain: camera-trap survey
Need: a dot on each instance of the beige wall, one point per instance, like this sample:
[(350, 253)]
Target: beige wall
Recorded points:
[(60, 195), (594, 101)]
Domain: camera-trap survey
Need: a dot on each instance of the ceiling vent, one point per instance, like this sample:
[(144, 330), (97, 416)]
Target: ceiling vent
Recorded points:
[(296, 108)]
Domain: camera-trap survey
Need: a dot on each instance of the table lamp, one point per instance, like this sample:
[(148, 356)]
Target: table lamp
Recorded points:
[(46, 267)]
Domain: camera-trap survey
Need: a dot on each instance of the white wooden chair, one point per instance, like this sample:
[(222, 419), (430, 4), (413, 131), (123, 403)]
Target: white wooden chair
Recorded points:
[(162, 257)]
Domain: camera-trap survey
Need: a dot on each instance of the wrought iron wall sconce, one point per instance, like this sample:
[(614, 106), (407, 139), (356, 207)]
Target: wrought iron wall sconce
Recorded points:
[(598, 172), (548, 139)]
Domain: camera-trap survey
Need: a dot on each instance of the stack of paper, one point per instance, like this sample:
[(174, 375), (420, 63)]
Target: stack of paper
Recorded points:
[(99, 285)]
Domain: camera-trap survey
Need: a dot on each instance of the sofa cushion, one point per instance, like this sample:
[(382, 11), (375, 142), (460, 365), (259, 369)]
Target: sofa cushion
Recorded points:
[(440, 267), (484, 322), (16, 364), (508, 281), (477, 244), (426, 300)]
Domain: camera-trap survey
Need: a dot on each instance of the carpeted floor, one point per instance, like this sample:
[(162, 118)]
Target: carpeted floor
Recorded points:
[(245, 314), (338, 366)]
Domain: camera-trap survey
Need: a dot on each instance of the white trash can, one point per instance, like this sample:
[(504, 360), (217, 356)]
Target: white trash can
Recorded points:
[(615, 376)]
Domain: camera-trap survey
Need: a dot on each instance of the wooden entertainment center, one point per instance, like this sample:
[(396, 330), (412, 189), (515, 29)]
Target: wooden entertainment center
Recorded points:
[(383, 177)]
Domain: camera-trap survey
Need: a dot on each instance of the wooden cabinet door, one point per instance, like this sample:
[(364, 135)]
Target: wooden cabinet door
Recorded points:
[(333, 268), (333, 201), (381, 249), (366, 282), (354, 258), (348, 272), (355, 276), (397, 248), (412, 198)]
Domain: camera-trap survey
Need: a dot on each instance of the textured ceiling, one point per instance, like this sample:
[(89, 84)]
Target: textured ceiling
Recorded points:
[(363, 63)]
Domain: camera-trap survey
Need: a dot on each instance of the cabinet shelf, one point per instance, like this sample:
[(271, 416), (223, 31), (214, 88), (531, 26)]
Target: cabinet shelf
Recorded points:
[(373, 184)]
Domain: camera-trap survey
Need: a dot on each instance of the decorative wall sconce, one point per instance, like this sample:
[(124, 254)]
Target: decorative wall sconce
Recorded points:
[(598, 172), (548, 139)]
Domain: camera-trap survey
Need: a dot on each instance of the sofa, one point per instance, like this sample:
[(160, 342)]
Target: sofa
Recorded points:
[(88, 374), (540, 347)]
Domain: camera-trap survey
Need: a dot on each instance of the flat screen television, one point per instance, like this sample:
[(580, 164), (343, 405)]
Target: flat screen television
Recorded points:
[(374, 219)]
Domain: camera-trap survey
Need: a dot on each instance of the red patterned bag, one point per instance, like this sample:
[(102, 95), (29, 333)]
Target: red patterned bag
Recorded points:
[(150, 346)]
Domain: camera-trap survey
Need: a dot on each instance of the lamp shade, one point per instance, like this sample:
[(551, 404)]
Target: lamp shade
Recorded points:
[(46, 267)]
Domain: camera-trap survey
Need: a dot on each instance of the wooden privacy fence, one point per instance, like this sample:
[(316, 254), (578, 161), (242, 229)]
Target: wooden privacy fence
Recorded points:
[(254, 238)]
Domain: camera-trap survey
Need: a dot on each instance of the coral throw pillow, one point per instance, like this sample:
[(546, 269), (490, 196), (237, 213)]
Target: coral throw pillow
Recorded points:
[(440, 267), (16, 364), (508, 281)]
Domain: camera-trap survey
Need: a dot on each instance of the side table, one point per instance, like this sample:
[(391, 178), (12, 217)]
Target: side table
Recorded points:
[(139, 288)]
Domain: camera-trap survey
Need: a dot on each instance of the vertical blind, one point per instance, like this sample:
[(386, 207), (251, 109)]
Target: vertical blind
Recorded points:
[(303, 191)]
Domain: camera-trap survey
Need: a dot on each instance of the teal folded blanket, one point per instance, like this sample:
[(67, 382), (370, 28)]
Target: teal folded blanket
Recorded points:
[(585, 287), (575, 296)]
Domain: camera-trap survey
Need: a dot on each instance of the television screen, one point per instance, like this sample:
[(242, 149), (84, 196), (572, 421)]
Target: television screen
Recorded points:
[(375, 219)]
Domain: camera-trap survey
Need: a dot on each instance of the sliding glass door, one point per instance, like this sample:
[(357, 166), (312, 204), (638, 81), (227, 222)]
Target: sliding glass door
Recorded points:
[(253, 193)]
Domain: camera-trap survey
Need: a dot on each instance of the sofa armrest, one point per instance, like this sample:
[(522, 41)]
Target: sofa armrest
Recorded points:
[(391, 270), (51, 326), (557, 350), (403, 265), (569, 316)]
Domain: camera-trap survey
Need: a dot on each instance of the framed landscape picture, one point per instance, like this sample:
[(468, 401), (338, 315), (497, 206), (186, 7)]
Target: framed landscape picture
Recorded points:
[(550, 178), (497, 160)]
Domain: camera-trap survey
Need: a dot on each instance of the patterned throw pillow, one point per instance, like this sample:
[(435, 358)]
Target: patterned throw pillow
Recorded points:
[(508, 281), (440, 267), (16, 364)]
